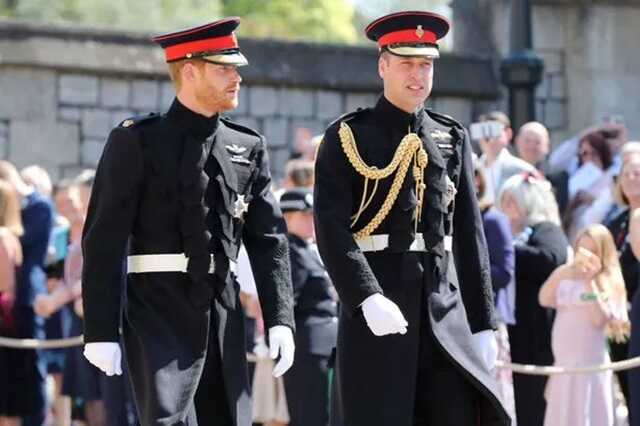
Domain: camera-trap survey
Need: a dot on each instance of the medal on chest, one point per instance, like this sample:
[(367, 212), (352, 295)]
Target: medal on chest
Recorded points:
[(451, 192), (240, 207)]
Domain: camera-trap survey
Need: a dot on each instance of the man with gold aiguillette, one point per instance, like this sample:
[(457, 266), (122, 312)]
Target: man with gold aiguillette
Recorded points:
[(399, 230), (183, 189)]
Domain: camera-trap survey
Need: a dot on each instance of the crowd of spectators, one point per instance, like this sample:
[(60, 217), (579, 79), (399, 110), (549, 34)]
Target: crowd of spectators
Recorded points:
[(563, 231)]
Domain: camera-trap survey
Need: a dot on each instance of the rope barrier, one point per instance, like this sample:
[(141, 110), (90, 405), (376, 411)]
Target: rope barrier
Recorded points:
[(41, 344), (539, 370)]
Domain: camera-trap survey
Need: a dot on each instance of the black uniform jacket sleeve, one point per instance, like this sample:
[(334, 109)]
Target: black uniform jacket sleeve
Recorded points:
[(264, 236), (470, 249), (112, 211), (333, 205)]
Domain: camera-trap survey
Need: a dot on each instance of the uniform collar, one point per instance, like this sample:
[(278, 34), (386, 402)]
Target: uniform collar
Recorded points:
[(195, 124), (395, 117)]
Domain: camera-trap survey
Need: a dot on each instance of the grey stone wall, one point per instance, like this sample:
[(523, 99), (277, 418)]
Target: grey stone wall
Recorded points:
[(591, 54), (63, 89)]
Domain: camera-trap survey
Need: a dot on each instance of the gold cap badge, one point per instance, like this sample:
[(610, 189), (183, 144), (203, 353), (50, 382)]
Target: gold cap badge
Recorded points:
[(419, 31)]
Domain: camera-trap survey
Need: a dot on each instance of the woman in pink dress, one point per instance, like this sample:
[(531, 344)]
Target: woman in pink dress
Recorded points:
[(590, 298)]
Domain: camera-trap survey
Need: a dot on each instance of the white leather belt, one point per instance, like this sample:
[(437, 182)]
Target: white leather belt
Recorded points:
[(380, 242), (143, 263)]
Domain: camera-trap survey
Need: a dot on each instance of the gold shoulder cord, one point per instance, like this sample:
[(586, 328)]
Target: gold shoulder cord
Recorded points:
[(410, 149)]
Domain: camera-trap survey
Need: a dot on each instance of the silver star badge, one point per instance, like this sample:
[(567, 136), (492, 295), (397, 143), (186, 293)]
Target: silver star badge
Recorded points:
[(450, 195), (240, 207)]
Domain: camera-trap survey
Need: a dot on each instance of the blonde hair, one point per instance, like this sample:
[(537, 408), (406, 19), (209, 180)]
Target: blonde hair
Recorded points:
[(10, 209), (609, 281), (39, 178), (618, 193), (629, 148), (9, 173), (175, 70), (537, 128), (534, 197)]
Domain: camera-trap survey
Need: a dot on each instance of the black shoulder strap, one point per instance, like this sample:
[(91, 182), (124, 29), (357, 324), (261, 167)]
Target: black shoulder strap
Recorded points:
[(444, 119), (350, 115), (139, 119), (239, 127)]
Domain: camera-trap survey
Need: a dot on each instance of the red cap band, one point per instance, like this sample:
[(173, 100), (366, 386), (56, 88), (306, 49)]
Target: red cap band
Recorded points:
[(180, 51), (417, 35)]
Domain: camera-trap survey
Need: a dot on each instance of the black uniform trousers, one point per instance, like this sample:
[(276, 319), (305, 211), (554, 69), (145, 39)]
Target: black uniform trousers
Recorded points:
[(444, 397), (307, 388), (117, 396), (210, 406), (211, 399)]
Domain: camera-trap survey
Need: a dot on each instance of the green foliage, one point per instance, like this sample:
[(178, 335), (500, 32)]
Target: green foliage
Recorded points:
[(316, 20), (145, 15)]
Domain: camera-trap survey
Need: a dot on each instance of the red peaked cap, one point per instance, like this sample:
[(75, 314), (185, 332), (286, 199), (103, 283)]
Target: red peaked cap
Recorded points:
[(411, 33), (214, 41)]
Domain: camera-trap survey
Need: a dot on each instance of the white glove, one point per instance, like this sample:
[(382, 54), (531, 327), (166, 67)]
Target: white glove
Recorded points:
[(104, 355), (486, 345), (383, 316), (281, 342)]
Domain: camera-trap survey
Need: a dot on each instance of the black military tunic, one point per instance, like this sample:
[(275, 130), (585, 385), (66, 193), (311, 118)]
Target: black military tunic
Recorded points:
[(178, 183), (431, 375), (306, 383)]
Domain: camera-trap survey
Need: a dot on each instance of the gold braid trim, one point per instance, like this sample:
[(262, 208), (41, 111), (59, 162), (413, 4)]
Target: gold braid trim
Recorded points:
[(410, 149)]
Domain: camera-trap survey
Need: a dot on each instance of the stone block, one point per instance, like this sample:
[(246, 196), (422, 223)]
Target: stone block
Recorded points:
[(250, 122), (144, 95), (263, 101), (278, 157), (329, 104), (96, 123), (543, 88), (114, 92), (296, 102), (46, 143), (90, 152), (555, 115), (167, 94), (483, 107), (354, 101), (553, 60), (70, 170), (540, 110), (27, 94), (314, 127), (243, 103), (243, 100), (549, 27), (460, 109), (558, 87), (70, 114), (76, 89), (276, 131), (4, 146)]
